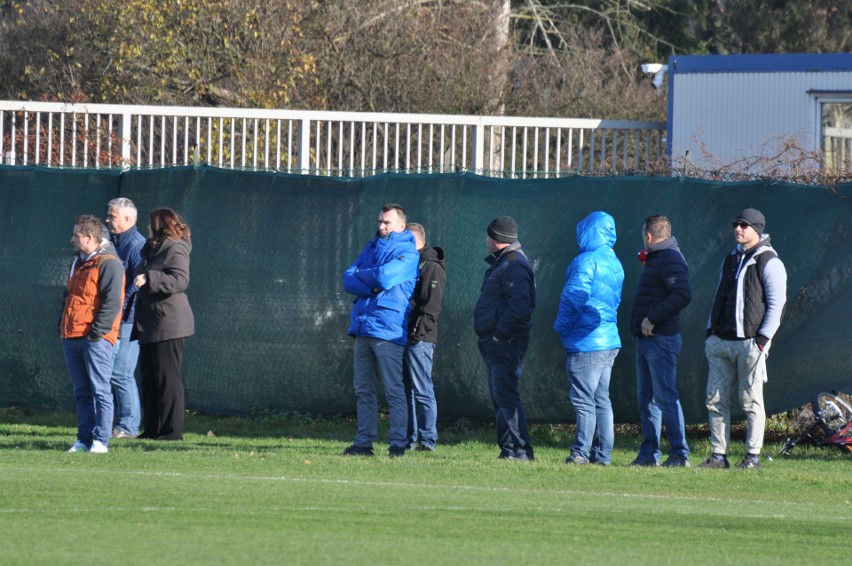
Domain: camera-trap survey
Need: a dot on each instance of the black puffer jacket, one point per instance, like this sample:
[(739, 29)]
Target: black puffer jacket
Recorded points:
[(663, 290), (426, 300)]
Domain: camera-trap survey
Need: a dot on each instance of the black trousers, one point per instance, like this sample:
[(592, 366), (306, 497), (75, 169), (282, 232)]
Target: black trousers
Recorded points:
[(162, 389)]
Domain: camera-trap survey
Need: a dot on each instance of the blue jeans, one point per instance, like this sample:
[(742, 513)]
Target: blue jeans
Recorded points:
[(90, 365), (589, 374), (124, 382), (503, 363), (420, 395), (379, 359), (656, 391)]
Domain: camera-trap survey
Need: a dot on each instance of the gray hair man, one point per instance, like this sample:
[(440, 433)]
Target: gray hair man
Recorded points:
[(121, 222)]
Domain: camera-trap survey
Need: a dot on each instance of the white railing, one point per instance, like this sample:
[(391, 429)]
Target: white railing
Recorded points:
[(322, 143)]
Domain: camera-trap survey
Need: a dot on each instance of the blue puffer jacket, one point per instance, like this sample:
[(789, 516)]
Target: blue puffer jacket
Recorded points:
[(383, 278), (588, 309)]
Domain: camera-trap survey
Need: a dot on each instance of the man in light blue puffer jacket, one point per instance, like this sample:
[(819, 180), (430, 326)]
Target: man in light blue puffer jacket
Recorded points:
[(586, 324), (382, 280)]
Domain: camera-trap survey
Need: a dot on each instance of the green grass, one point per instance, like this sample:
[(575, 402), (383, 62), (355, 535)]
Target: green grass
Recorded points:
[(273, 490)]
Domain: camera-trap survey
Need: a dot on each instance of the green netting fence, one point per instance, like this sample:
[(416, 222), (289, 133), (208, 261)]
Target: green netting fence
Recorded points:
[(269, 250)]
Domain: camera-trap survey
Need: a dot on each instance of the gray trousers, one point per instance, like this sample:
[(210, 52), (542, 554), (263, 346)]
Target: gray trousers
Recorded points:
[(735, 366)]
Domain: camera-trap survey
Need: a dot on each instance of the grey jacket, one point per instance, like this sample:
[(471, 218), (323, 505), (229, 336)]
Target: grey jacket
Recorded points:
[(162, 307)]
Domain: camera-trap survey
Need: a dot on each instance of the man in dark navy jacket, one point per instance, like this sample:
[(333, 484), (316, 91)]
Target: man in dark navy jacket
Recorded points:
[(128, 242), (663, 291), (502, 319)]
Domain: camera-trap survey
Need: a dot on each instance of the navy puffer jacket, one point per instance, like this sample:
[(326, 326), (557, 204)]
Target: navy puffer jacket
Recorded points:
[(663, 290)]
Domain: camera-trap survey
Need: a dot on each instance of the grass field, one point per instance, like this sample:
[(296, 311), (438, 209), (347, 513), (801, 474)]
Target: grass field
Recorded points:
[(276, 490)]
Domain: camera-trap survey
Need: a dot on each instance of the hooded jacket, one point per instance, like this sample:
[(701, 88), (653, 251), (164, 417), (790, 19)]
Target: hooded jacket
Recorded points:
[(751, 294), (93, 296), (382, 280), (588, 308), (663, 290), (162, 309), (426, 300)]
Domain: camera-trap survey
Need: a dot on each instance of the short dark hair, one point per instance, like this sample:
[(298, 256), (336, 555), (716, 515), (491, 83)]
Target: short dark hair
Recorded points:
[(90, 226), (400, 210), (658, 226)]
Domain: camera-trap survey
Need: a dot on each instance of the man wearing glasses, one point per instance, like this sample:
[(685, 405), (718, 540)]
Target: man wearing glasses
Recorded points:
[(746, 314)]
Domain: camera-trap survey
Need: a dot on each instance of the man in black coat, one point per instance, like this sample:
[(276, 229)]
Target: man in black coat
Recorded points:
[(663, 291), (502, 319), (422, 339)]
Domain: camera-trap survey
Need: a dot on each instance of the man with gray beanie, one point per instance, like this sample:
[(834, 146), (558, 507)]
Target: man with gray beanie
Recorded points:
[(746, 314), (502, 320)]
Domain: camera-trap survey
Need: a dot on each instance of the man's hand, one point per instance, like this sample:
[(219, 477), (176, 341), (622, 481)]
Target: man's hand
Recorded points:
[(140, 280), (647, 327)]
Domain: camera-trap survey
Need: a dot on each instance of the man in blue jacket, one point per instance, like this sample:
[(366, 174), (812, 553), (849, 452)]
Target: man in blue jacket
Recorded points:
[(382, 280), (586, 324), (502, 319), (663, 292), (128, 242)]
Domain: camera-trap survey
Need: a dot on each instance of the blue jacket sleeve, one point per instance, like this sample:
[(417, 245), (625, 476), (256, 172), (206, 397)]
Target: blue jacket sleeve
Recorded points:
[(575, 294), (352, 283), (402, 268)]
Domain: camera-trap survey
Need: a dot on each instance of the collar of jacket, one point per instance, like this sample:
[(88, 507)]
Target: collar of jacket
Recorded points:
[(495, 257)]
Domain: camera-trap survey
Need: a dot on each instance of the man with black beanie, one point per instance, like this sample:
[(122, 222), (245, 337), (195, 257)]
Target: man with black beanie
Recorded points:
[(502, 319), (746, 314)]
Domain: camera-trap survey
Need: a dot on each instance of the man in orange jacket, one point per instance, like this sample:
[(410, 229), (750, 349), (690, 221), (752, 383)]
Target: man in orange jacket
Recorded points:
[(91, 316)]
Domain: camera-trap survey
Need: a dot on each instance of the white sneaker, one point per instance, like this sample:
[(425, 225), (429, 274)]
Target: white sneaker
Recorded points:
[(98, 447), (79, 447)]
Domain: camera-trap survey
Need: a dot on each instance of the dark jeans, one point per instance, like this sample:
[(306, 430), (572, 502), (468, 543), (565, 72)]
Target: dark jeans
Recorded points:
[(162, 389), (656, 391), (503, 363)]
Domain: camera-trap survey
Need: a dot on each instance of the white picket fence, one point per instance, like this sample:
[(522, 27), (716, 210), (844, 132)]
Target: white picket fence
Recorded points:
[(350, 144)]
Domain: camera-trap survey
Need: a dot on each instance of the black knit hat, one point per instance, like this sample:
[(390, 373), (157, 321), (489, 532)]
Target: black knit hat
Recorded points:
[(753, 218), (503, 229)]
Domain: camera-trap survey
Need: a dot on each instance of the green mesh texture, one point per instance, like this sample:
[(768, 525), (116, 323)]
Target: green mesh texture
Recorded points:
[(269, 250)]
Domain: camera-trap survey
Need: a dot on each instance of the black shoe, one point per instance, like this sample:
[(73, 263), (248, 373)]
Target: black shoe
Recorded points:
[(396, 451), (647, 463), (716, 462), (676, 462), (424, 448), (750, 462), (355, 450)]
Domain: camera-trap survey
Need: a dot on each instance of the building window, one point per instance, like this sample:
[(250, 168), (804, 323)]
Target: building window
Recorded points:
[(836, 138)]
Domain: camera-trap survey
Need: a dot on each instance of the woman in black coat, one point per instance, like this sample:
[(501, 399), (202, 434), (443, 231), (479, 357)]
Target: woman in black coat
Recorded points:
[(163, 321)]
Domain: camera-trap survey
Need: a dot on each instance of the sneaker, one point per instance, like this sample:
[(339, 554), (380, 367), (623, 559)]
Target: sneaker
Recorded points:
[(750, 462), (118, 433), (98, 447), (576, 458), (644, 463), (424, 448), (396, 451), (715, 461), (676, 462), (506, 455), (78, 447), (522, 456), (355, 450)]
